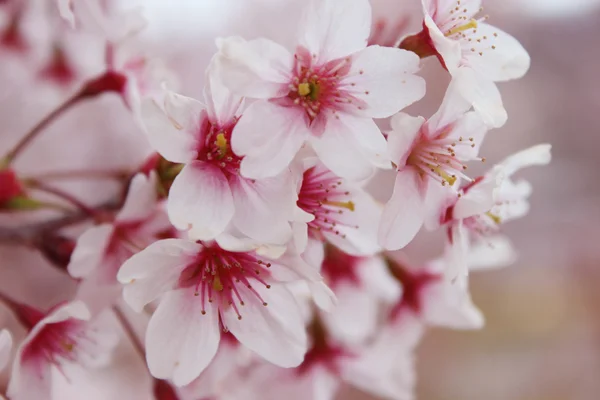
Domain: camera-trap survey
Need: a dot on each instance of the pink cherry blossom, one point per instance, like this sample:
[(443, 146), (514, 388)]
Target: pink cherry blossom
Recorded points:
[(336, 211), (326, 93), (430, 157), (209, 194), (102, 249), (63, 339), (488, 202), (207, 288)]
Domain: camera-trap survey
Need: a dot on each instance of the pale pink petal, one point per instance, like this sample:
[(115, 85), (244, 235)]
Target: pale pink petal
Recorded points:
[(200, 201), (535, 155), (65, 8), (401, 139), (173, 136), (377, 280), (482, 93), (269, 136), (323, 296), (5, 347), (494, 252), (480, 197), (502, 57), (141, 198), (457, 251), (384, 78), (471, 126), (355, 317), (222, 105), (453, 106), (404, 213), (275, 332), (180, 340), (258, 68), (264, 207), (90, 250), (450, 50), (332, 29), (351, 147), (29, 380), (450, 305), (154, 270)]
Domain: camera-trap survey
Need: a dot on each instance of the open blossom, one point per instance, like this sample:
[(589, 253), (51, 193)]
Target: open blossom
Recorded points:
[(63, 339), (209, 193), (207, 288), (488, 202), (337, 211), (430, 156), (101, 250), (326, 93)]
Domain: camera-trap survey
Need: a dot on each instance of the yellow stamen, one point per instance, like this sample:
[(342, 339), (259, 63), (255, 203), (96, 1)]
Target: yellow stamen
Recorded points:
[(343, 204), (497, 220), (217, 285), (67, 346), (442, 174), (304, 89), (471, 24), (221, 144)]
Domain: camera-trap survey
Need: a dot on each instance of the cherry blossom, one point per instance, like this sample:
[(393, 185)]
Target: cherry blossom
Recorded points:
[(326, 93), (209, 193), (430, 156), (58, 342), (209, 288), (488, 202), (102, 249), (5, 347)]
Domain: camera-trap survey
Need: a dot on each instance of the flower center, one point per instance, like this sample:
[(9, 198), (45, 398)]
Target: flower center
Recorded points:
[(216, 149), (322, 195), (438, 159), (57, 343), (217, 276)]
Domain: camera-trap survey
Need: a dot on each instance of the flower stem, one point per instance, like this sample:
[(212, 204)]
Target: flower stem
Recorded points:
[(63, 195), (128, 328)]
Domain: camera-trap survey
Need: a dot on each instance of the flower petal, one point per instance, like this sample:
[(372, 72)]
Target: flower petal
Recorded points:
[(351, 147), (495, 252), (154, 270), (269, 136), (200, 201), (480, 197), (275, 332), (90, 250), (141, 199), (451, 306), (332, 29), (535, 155), (5, 347), (383, 78), (401, 139), (222, 105), (181, 341), (258, 68), (404, 213)]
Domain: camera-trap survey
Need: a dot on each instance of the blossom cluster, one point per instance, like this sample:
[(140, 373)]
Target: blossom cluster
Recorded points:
[(248, 238)]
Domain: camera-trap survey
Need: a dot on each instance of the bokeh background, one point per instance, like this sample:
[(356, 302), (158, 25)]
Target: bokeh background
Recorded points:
[(542, 337)]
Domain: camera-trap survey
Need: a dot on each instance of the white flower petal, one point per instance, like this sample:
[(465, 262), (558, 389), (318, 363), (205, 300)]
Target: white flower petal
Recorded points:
[(480, 197), (258, 68), (383, 77), (5, 347), (275, 332), (535, 155), (404, 213), (332, 29), (494, 252), (90, 250), (450, 305), (200, 201), (222, 105), (401, 139), (141, 199), (180, 341)]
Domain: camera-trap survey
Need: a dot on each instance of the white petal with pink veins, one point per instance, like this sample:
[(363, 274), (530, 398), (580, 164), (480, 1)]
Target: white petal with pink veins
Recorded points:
[(222, 105), (269, 136), (351, 147), (180, 341), (174, 139), (264, 207), (332, 29), (200, 201), (5, 347), (275, 332), (502, 57), (404, 213), (402, 138), (141, 198), (154, 270), (383, 78), (258, 68), (482, 93), (90, 250)]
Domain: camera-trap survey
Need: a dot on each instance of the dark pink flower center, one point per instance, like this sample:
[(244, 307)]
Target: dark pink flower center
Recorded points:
[(340, 267), (215, 147), (322, 195), (413, 283), (217, 275), (318, 87)]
